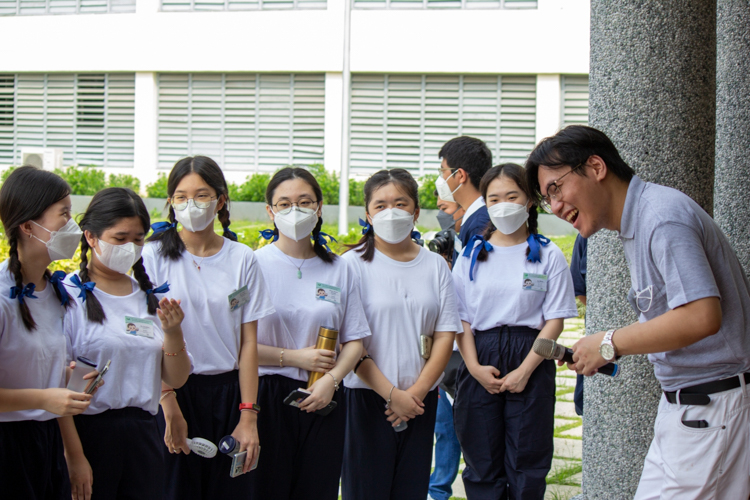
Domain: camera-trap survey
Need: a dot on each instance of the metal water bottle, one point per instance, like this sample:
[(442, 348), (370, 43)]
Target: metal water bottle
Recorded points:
[(327, 338)]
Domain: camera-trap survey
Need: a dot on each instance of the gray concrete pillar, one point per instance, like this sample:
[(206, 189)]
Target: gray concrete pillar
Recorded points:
[(652, 91), (732, 185)]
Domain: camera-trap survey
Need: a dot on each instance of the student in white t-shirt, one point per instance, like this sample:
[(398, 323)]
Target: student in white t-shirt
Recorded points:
[(35, 208), (409, 300), (513, 286), (118, 318), (222, 292), (310, 288)]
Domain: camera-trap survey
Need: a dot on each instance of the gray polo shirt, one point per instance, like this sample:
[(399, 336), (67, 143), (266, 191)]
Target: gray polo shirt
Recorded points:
[(677, 254)]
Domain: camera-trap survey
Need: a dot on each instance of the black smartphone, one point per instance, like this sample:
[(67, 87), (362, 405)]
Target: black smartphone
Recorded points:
[(296, 397)]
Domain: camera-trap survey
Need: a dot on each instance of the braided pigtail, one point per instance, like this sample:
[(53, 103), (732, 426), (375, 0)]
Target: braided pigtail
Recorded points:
[(172, 245), (483, 253), (533, 222), (94, 310), (65, 300), (224, 219), (140, 275), (321, 250), (14, 266)]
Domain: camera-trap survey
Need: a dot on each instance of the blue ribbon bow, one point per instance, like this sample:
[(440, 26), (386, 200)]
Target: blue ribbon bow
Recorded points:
[(164, 288), (416, 235), (57, 281), (229, 232), (267, 234), (472, 250), (322, 239), (366, 226), (160, 227), (84, 287), (16, 292), (536, 242)]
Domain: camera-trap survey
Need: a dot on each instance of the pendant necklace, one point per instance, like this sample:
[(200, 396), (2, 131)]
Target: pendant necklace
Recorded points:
[(196, 264), (299, 268)]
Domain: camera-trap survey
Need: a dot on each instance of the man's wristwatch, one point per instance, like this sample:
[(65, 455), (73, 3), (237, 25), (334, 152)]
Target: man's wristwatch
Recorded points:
[(607, 348)]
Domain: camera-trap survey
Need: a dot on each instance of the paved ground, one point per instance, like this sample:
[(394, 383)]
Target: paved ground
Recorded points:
[(564, 480)]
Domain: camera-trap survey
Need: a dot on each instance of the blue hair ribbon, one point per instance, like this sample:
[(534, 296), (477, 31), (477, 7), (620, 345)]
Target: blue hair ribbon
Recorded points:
[(416, 235), (57, 281), (229, 232), (164, 288), (84, 287), (267, 234), (366, 226), (472, 250), (160, 227), (16, 292), (536, 242), (322, 240)]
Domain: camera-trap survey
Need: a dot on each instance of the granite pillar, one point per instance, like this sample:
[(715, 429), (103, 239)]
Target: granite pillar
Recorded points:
[(732, 183), (652, 91)]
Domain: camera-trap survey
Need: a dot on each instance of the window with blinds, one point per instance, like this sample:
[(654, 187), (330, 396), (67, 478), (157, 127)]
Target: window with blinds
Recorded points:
[(251, 122), (575, 100), (402, 121), (444, 4), (214, 5), (46, 7), (89, 116)]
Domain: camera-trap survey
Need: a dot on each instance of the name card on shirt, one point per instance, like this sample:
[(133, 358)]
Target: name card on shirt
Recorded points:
[(535, 282), (139, 327), (239, 298), (328, 293)]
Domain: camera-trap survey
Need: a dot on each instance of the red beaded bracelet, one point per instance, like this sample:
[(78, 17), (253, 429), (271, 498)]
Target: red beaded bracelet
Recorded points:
[(184, 345)]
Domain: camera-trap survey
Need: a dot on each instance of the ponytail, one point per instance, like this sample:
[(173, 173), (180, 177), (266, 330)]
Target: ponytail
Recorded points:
[(366, 244), (172, 245), (483, 253), (14, 266), (94, 310), (140, 275), (319, 244)]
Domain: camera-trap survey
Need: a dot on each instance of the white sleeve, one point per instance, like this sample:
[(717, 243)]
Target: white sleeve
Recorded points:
[(355, 325), (260, 304), (459, 280), (560, 300), (448, 320)]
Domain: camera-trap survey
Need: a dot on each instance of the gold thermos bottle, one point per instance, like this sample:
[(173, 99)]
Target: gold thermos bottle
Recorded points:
[(327, 338)]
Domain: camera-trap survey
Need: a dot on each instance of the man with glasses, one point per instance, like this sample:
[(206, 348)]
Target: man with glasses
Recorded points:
[(693, 299)]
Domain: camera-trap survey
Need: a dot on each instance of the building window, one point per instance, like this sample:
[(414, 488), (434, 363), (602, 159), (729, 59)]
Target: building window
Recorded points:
[(233, 5), (575, 100), (248, 122), (47, 7), (444, 4), (89, 117), (403, 120)]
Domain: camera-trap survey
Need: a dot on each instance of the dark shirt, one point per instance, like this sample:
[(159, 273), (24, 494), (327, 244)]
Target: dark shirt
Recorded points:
[(578, 265)]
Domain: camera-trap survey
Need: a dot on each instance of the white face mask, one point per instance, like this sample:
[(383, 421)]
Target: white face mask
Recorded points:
[(62, 243), (508, 217), (444, 191), (195, 219), (119, 258), (297, 224), (393, 225)]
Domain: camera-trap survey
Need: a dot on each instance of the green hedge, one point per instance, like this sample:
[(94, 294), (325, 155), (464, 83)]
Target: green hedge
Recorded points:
[(87, 180)]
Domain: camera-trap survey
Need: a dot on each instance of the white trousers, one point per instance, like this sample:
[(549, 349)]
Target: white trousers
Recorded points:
[(685, 463)]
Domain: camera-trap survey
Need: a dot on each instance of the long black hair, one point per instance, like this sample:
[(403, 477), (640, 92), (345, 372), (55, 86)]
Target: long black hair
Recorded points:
[(289, 173), (172, 245), (107, 207), (405, 182), (517, 174), (25, 195)]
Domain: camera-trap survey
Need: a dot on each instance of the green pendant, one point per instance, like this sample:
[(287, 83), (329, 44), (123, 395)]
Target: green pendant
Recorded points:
[(299, 274)]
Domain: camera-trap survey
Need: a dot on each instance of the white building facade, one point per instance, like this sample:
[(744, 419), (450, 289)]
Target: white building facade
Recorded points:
[(131, 86)]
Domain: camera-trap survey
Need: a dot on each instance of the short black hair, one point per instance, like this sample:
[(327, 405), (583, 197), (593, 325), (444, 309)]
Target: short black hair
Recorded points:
[(470, 154), (573, 146)]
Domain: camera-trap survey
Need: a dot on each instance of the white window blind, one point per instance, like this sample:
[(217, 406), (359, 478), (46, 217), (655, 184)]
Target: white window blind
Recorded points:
[(444, 4), (575, 100), (252, 122), (89, 117), (402, 121), (45, 7), (214, 5)]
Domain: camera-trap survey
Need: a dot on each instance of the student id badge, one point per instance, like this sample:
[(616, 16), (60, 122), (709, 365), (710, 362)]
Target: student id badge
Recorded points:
[(535, 282), (239, 298), (327, 293), (139, 327)]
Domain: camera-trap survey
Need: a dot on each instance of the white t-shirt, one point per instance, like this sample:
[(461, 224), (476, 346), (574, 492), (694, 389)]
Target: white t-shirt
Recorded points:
[(300, 311), (30, 359), (134, 377), (497, 296), (403, 300), (211, 327)]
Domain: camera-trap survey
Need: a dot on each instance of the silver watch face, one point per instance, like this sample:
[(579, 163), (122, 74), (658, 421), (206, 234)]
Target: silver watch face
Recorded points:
[(607, 351)]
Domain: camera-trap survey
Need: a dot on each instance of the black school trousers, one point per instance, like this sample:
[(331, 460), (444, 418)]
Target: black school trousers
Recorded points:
[(380, 463), (125, 451), (506, 438), (32, 464), (301, 453)]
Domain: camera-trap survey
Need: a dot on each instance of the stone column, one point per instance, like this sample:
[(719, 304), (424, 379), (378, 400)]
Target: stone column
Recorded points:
[(732, 186), (652, 84)]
